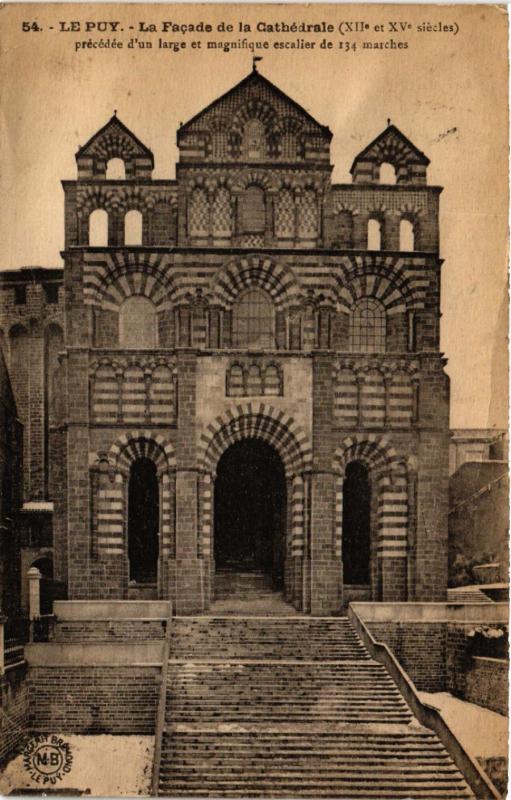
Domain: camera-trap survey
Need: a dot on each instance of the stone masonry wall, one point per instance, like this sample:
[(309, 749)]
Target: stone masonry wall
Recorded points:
[(13, 712), (93, 700), (420, 648)]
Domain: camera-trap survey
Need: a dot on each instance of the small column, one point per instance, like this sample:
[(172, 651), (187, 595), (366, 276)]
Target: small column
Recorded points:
[(297, 539), (34, 593)]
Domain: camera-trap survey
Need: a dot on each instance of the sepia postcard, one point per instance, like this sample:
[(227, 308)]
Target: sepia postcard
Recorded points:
[(254, 400)]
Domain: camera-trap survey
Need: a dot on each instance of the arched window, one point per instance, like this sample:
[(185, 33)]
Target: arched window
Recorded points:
[(406, 235), (115, 170), (137, 323), (98, 228), (253, 213), (143, 521), (133, 228), (356, 517), (254, 144), (374, 234), (387, 173), (367, 333), (254, 320)]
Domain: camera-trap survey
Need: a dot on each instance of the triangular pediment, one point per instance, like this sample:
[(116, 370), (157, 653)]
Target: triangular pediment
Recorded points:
[(392, 146), (255, 96), (114, 140)]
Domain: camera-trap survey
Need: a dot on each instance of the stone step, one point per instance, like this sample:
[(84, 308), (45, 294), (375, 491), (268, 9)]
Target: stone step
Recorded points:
[(291, 707)]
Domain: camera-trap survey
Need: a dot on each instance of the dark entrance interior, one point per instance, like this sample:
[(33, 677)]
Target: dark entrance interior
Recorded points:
[(143, 521), (356, 524), (250, 510)]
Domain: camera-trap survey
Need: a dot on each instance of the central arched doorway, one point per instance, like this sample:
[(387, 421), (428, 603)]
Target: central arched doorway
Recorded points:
[(250, 510)]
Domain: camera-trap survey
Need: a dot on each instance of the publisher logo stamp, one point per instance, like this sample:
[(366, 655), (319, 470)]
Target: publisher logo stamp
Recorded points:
[(47, 758)]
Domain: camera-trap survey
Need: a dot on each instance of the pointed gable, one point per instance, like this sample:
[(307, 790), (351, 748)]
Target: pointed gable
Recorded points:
[(218, 131), (114, 140), (391, 146)]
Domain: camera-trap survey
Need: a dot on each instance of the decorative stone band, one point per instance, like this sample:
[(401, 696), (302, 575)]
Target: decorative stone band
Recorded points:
[(389, 479), (259, 421), (109, 278), (133, 390), (297, 518), (111, 500), (255, 271)]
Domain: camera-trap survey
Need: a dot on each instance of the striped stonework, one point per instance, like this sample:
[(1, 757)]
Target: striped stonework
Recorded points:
[(133, 390), (255, 271), (105, 393), (167, 516), (133, 395), (141, 444), (372, 399), (389, 479), (109, 278), (383, 278), (392, 516), (370, 393), (345, 397), (297, 517), (252, 378), (110, 516), (257, 421), (111, 500), (401, 399), (205, 540)]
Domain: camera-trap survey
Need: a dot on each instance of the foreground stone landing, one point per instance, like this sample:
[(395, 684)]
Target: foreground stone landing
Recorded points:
[(291, 706)]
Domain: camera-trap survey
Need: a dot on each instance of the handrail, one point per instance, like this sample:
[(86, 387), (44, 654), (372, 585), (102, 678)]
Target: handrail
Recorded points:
[(427, 715), (162, 702)]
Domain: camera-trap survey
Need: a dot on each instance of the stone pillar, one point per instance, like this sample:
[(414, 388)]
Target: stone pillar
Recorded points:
[(34, 593), (297, 540), (78, 325), (432, 497), (187, 576), (325, 565), (36, 412)]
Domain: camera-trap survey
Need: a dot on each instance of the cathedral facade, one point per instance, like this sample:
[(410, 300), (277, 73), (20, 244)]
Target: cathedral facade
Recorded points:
[(249, 377)]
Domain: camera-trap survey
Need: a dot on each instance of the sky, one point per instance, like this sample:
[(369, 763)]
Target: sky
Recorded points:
[(446, 90)]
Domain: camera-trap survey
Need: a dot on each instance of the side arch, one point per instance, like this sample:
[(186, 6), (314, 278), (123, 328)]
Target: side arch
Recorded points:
[(251, 272), (378, 277), (110, 281), (388, 475), (141, 444)]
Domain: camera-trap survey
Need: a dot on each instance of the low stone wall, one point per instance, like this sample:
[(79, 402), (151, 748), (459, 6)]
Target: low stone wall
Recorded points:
[(93, 699), (108, 630), (14, 711), (431, 642), (420, 648), (487, 683)]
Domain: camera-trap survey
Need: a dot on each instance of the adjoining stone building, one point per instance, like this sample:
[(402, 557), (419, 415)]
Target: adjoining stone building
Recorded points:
[(250, 355)]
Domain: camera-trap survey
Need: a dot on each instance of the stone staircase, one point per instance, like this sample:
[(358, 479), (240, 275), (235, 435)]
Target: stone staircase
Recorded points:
[(291, 707), (242, 585)]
